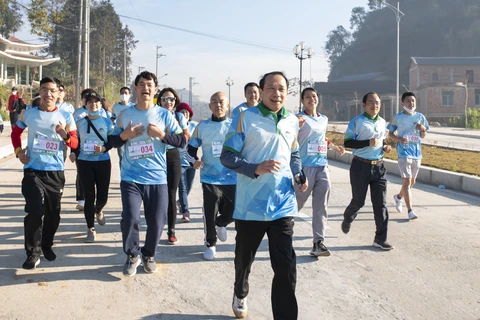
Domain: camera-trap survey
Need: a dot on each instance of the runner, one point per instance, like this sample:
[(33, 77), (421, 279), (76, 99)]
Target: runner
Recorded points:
[(252, 94), (44, 178), (218, 182), (411, 127), (313, 151)]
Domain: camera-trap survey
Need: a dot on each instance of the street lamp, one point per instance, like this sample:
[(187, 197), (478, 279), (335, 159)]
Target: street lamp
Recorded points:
[(156, 60), (398, 15), (299, 50), (229, 83), (166, 74)]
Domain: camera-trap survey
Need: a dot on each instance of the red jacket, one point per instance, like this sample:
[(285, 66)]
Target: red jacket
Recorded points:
[(12, 98)]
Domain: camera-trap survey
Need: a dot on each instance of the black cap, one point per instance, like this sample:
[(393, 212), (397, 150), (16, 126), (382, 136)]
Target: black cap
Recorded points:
[(92, 95)]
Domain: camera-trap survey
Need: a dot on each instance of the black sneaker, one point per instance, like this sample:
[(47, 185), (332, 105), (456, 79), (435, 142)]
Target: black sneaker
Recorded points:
[(382, 245), (346, 226), (319, 249), (149, 264), (31, 262), (49, 254)]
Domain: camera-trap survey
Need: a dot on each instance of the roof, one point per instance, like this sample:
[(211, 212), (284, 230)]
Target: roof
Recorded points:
[(13, 41), (347, 88), (362, 77), (446, 61), (16, 40)]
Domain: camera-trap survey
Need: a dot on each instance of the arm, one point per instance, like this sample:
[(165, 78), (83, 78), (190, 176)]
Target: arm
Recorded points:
[(356, 144), (16, 137), (176, 140), (233, 161)]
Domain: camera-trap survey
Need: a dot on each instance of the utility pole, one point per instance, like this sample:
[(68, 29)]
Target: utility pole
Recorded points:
[(190, 88), (229, 83), (156, 60), (79, 57), (86, 55), (124, 62)]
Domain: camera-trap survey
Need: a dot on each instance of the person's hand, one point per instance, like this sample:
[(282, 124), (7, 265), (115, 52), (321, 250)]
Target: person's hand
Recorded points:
[(267, 166), (72, 157), (99, 148), (301, 121), (387, 149), (22, 156), (340, 150), (374, 142), (155, 132), (61, 130), (131, 132), (303, 187), (198, 164), (403, 141), (420, 127)]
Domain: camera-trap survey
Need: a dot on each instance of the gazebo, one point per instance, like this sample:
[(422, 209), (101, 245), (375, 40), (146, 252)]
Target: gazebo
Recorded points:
[(16, 61)]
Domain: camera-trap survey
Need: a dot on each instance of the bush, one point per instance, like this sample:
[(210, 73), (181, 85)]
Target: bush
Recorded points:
[(473, 120)]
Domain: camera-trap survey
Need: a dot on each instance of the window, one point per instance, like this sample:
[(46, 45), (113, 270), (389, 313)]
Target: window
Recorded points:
[(477, 97), (447, 98), (469, 76), (435, 76)]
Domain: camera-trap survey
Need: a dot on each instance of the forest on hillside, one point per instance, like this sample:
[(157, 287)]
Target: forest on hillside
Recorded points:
[(429, 28)]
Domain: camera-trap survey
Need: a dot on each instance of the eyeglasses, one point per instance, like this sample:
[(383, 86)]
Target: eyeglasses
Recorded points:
[(373, 103), (168, 99), (47, 91)]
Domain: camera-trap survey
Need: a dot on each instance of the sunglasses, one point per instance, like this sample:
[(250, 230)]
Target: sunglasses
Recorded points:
[(167, 99)]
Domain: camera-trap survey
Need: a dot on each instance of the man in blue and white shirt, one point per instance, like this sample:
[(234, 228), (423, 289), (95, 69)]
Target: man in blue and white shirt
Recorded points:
[(410, 128), (252, 94), (261, 146), (365, 134)]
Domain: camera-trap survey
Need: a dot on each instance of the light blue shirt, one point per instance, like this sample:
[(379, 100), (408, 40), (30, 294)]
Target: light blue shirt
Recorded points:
[(81, 113), (45, 145), (88, 139), (404, 124), (184, 151), (312, 140), (363, 127), (144, 159), (210, 135), (118, 108), (66, 106), (258, 134)]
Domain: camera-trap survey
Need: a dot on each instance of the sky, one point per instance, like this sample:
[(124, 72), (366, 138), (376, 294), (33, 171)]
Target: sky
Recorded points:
[(277, 24)]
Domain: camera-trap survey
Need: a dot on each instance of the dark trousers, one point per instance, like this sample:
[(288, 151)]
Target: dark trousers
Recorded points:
[(282, 257), (43, 193), (363, 175), (13, 119), (218, 206), (174, 171), (154, 198), (94, 174), (79, 187)]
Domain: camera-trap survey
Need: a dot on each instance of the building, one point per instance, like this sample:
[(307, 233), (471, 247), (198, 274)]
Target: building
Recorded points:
[(445, 87), (17, 65)]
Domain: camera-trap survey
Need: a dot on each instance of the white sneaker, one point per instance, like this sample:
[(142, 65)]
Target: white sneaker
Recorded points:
[(222, 233), (398, 203), (239, 307), (209, 253), (412, 215)]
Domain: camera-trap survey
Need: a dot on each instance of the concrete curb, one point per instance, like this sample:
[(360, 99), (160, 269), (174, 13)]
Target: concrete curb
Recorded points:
[(432, 176)]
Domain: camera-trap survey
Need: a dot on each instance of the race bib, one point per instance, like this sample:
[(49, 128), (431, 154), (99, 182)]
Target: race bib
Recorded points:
[(412, 139), (141, 149), (317, 148), (45, 145), (89, 146), (217, 148)]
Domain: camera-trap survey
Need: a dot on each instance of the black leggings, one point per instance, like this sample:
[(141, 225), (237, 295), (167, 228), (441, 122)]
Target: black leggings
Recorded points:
[(174, 172)]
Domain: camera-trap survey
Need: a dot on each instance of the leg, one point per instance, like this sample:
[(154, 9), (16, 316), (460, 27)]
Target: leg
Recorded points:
[(13, 118), (174, 169), (182, 191), (359, 178), (248, 239), (226, 205), (54, 181), (155, 199), (103, 172), (132, 195), (320, 197), (211, 199), (284, 265), (33, 190), (86, 174), (80, 196), (190, 177), (378, 192)]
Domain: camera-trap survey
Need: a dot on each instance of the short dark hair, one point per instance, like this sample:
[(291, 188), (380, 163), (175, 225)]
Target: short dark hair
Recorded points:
[(61, 86), (125, 88), (365, 97), (148, 76), (250, 84), (175, 94), (408, 94), (307, 89), (50, 80), (273, 73)]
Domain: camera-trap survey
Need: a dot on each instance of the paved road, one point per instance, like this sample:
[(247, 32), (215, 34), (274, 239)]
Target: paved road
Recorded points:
[(433, 272)]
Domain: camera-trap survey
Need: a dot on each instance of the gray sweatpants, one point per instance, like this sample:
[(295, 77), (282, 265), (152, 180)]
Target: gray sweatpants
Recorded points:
[(319, 186)]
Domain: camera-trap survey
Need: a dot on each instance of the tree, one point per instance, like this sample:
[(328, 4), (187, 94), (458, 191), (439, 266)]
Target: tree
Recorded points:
[(357, 19), (338, 40), (10, 18)]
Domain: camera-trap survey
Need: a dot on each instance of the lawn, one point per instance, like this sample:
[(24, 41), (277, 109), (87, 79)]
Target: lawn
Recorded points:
[(437, 157)]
